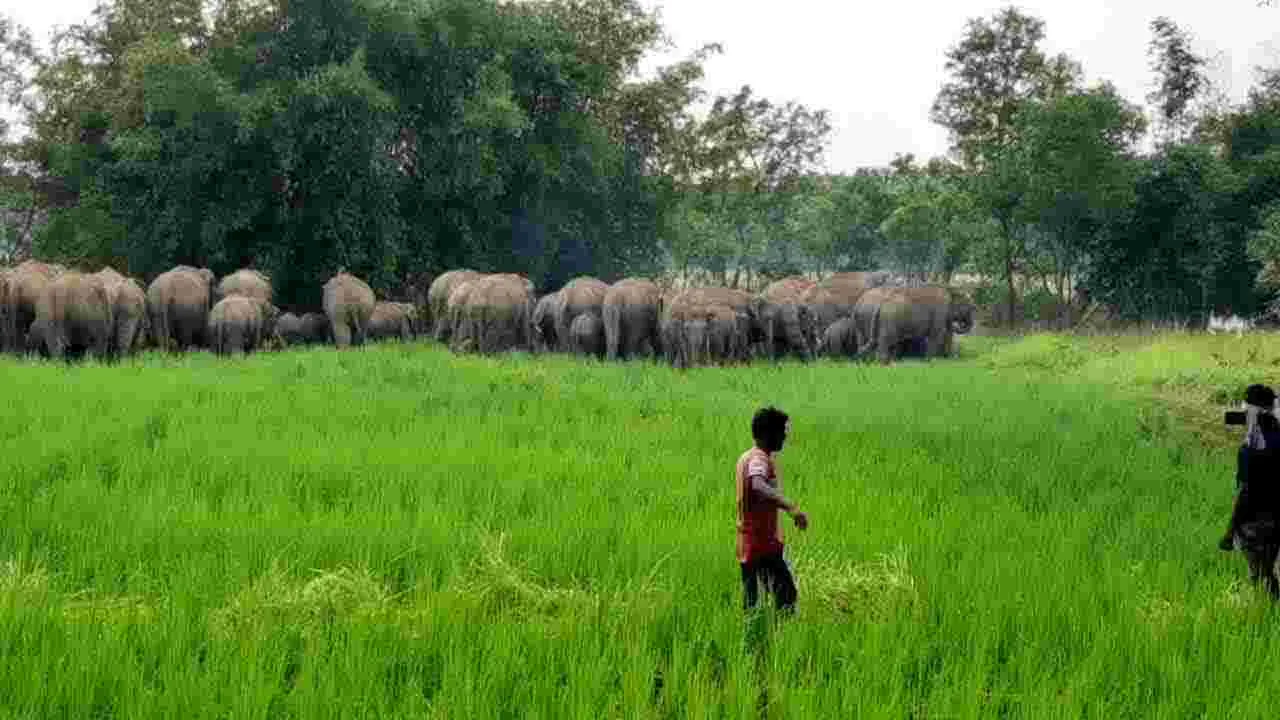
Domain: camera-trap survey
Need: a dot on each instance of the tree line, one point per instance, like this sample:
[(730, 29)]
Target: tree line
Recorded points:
[(401, 139)]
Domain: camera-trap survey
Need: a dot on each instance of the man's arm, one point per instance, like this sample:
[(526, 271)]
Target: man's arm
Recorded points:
[(764, 490)]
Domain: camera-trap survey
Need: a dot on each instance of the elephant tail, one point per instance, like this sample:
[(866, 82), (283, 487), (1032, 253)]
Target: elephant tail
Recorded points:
[(611, 315), (865, 334), (160, 326)]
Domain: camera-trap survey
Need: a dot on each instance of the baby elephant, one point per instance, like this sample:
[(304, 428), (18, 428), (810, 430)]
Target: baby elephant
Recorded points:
[(240, 324), (586, 336), (839, 339)]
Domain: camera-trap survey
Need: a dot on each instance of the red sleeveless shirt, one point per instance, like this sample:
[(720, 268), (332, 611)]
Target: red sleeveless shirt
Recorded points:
[(759, 533)]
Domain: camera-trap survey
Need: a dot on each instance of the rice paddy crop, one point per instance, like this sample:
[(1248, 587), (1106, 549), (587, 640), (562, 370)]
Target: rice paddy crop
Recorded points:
[(1026, 531)]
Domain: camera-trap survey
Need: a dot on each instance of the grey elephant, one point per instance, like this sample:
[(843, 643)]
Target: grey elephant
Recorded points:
[(697, 302), (392, 320), (787, 326), (240, 324), (24, 287), (73, 316), (580, 295), (702, 325), (131, 323), (247, 282), (542, 323), (836, 296), (891, 321), (714, 337), (840, 339), (586, 336), (307, 329), (348, 303), (630, 311), (495, 314), (179, 301), (438, 300), (454, 318)]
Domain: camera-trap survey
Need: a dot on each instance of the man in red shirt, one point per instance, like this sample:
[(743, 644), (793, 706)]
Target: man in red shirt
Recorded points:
[(759, 492)]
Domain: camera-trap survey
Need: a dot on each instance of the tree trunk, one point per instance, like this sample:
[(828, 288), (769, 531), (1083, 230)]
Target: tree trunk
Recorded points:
[(1008, 274)]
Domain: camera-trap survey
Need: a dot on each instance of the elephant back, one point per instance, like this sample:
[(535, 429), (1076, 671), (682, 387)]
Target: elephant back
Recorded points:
[(247, 282), (343, 290), (440, 289), (788, 290), (496, 313)]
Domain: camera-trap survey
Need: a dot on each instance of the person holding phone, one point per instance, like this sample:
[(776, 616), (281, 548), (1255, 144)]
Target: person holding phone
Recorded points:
[(1254, 527)]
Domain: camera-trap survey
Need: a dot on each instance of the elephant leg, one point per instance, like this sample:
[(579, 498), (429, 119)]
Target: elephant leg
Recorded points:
[(341, 334), (56, 346)]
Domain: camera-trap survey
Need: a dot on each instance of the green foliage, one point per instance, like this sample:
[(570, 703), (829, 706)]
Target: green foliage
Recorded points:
[(86, 235), (1264, 247), (997, 67), (1180, 76)]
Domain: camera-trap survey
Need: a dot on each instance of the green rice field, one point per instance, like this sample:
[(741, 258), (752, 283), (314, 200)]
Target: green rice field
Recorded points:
[(1026, 531)]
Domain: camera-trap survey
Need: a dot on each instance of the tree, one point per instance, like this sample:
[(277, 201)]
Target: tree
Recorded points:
[(1180, 77), (1074, 164), (1264, 248), (746, 152), (996, 67), (17, 57)]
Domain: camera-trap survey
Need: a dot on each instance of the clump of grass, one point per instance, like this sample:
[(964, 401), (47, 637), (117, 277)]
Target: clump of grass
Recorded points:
[(343, 593), (503, 589), (844, 589)]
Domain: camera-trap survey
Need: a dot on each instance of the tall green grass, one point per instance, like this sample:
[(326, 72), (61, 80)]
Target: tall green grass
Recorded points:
[(397, 531)]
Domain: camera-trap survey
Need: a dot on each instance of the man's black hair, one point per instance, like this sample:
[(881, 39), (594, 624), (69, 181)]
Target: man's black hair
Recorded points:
[(768, 423), (1260, 395)]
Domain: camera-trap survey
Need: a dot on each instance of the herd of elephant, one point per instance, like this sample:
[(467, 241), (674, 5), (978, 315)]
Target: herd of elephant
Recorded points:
[(57, 312), (851, 314)]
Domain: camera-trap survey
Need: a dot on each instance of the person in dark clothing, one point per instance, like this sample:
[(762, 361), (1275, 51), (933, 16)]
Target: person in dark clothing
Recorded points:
[(1255, 520)]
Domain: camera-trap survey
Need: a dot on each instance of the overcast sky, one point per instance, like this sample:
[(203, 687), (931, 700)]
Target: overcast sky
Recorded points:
[(876, 66)]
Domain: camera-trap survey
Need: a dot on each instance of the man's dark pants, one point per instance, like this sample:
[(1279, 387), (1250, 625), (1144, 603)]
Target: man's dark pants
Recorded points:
[(773, 571), (1260, 541)]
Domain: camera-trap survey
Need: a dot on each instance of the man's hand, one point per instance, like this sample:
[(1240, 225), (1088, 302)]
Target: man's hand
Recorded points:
[(801, 520)]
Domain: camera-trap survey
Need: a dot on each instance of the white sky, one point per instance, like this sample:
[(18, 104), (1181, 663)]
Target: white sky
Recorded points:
[(876, 65)]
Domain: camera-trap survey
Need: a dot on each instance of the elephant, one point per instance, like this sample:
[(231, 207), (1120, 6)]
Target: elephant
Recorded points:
[(453, 309), (495, 314), (240, 324), (178, 301), (130, 320), (307, 329), (249, 283), (73, 316), (393, 320), (348, 304), (890, 321), (25, 286), (542, 323), (836, 297), (785, 317), (699, 300), (700, 324), (630, 312), (579, 295), (840, 339), (713, 335), (438, 300), (586, 336)]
